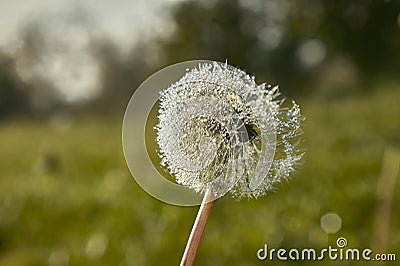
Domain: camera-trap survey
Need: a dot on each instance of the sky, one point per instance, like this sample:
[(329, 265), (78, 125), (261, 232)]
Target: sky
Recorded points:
[(65, 60), (120, 19)]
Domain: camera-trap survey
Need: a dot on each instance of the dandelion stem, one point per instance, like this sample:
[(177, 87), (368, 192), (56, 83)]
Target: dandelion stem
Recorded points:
[(197, 229)]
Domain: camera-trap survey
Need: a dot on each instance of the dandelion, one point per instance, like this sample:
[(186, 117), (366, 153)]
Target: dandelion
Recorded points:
[(220, 132)]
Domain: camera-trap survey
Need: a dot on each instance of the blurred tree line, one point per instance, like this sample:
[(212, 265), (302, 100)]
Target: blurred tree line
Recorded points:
[(331, 48)]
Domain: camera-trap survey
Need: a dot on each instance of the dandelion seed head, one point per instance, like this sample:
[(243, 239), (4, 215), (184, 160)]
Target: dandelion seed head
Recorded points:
[(219, 130)]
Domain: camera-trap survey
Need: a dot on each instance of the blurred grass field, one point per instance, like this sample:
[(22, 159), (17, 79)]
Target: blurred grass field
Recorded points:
[(67, 197)]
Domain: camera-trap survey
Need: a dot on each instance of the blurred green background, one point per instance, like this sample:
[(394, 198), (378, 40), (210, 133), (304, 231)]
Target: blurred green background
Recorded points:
[(68, 69)]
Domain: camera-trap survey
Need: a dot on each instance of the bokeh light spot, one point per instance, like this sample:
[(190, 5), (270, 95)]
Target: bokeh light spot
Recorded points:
[(96, 246), (59, 258), (311, 52), (331, 223)]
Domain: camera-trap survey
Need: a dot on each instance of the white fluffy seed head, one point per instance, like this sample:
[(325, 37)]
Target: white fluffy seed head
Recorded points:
[(221, 131)]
